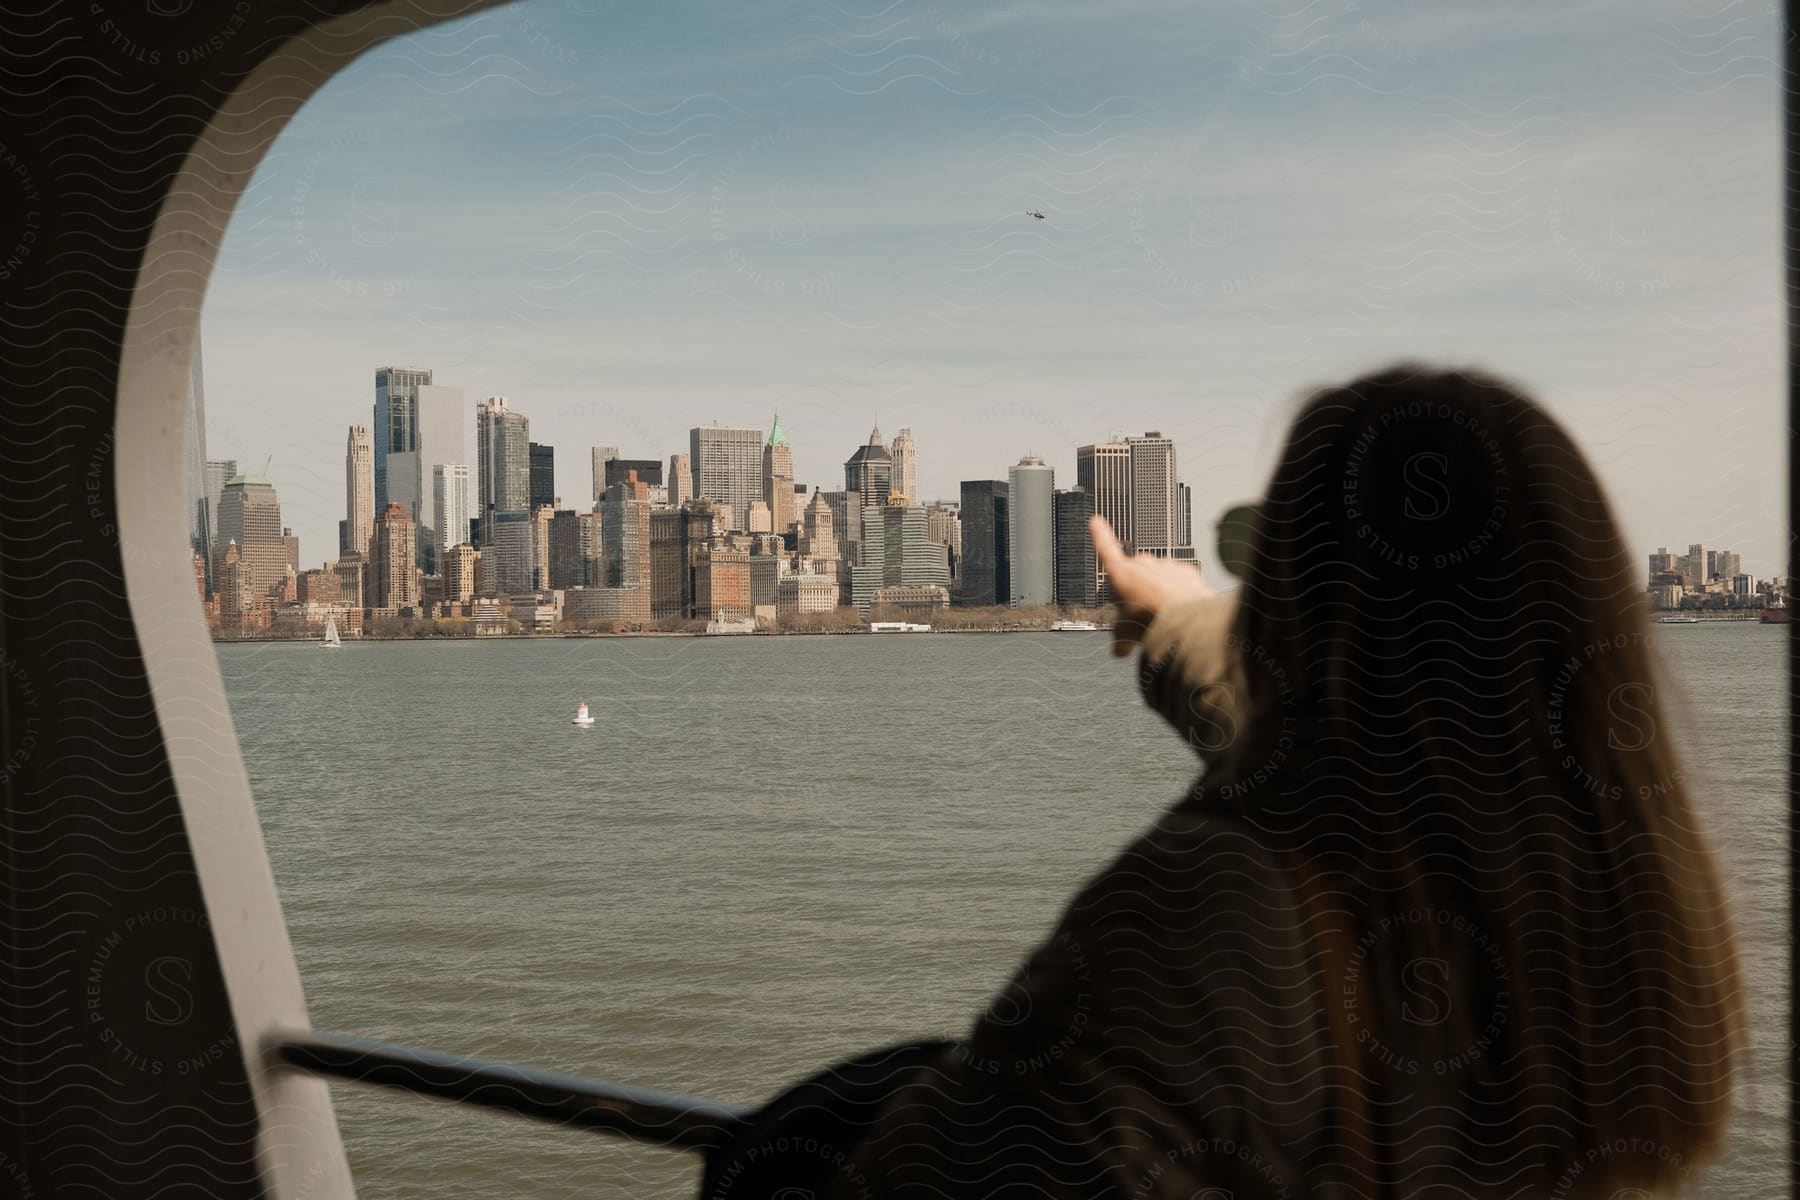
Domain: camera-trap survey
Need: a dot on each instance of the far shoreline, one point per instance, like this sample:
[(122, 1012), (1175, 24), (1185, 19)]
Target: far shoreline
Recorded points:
[(581, 635)]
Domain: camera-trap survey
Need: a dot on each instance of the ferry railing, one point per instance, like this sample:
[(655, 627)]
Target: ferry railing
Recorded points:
[(655, 1118)]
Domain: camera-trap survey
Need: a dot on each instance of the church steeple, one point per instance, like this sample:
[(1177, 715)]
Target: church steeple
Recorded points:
[(776, 437)]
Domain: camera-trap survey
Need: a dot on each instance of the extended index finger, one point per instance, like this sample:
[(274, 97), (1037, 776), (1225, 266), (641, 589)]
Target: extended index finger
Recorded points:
[(1106, 544)]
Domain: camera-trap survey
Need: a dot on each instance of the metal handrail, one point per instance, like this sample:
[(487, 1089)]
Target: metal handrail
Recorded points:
[(637, 1113)]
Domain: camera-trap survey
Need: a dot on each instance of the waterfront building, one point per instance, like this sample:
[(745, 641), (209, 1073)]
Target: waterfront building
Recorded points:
[(1155, 494), (1695, 568), (1077, 580), (778, 478), (677, 538), (396, 421), (1743, 585), (910, 601), (503, 466), (451, 503), (1726, 565), (352, 573), (911, 557), (727, 467), (765, 585), (593, 572), (540, 547), (818, 539), (567, 564), (806, 592), (459, 573), (625, 516), (395, 573), (1662, 562), (359, 491), (1031, 533), (869, 472), (509, 554), (722, 583), (237, 593), (903, 457), (318, 586), (945, 528), (250, 516), (986, 556), (679, 481), (602, 455), (868, 575)]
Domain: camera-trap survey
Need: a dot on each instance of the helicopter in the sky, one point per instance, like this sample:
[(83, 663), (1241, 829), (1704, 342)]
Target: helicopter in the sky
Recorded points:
[(1032, 212)]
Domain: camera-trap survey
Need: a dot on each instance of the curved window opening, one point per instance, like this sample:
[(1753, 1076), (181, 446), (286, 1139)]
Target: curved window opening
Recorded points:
[(1011, 235)]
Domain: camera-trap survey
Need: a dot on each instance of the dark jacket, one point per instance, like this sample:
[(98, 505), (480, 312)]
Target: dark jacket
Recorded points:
[(1168, 1039)]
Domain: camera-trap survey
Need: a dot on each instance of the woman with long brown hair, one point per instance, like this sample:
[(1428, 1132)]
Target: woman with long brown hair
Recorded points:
[(1438, 917)]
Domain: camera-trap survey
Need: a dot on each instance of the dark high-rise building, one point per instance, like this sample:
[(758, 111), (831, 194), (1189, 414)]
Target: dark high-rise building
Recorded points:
[(1077, 583), (870, 471), (649, 471), (543, 476), (568, 568), (985, 577)]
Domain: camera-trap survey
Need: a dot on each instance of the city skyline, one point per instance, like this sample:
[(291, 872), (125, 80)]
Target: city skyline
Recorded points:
[(1242, 206)]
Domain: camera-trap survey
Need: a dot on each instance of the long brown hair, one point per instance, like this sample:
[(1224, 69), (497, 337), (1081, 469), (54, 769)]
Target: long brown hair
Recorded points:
[(1458, 733)]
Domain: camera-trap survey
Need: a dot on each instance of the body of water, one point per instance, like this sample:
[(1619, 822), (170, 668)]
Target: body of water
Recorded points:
[(770, 853)]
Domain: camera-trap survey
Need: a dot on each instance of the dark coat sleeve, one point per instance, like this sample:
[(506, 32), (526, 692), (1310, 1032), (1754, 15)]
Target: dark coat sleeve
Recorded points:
[(1167, 1039)]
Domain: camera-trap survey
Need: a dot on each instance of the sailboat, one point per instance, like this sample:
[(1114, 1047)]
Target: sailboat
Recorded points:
[(581, 717), (331, 640)]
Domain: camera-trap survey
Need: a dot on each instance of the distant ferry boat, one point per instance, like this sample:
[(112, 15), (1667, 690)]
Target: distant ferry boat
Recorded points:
[(1074, 627), (1777, 614), (1678, 620), (897, 627), (723, 624)]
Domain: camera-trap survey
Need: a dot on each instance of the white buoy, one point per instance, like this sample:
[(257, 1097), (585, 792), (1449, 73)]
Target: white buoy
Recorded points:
[(581, 717)]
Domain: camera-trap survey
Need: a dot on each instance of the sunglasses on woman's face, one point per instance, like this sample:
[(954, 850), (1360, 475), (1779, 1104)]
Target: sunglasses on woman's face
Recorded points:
[(1238, 529)]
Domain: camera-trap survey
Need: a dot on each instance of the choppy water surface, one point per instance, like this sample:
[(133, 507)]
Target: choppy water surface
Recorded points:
[(768, 853)]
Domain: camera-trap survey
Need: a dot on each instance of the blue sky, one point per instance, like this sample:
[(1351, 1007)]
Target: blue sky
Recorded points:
[(634, 219)]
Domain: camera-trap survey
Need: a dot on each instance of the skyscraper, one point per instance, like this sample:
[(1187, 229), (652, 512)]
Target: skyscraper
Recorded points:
[(601, 455), (1103, 471), (503, 467), (986, 569), (359, 490), (451, 501), (625, 546), (443, 437), (250, 517), (727, 467), (869, 472), (1077, 582), (680, 480), (1155, 520), (218, 473), (543, 476), (905, 457), (1031, 533), (778, 478), (1695, 568), (394, 574), (396, 420)]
